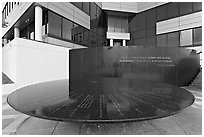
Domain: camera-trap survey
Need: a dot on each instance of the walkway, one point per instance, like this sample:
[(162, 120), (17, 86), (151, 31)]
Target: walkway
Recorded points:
[(189, 121)]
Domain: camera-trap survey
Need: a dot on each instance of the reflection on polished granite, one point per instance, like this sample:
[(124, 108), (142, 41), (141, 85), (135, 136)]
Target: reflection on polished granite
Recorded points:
[(100, 100)]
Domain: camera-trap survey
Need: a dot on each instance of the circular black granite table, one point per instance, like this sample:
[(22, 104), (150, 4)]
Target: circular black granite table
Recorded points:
[(100, 100)]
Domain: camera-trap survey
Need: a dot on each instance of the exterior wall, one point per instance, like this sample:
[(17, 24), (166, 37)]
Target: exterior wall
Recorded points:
[(62, 28), (63, 43), (15, 14), (9, 56), (99, 4), (69, 11), (134, 7), (142, 6), (167, 25), (35, 62), (120, 6), (183, 22), (116, 35)]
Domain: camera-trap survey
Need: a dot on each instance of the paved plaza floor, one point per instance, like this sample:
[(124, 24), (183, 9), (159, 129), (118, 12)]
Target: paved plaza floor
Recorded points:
[(188, 121)]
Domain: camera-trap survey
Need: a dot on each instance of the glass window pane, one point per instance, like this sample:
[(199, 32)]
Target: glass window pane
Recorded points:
[(124, 24), (161, 40), (54, 24), (110, 23), (172, 10), (77, 4), (117, 23), (86, 7), (151, 18), (185, 7), (142, 42), (161, 13), (77, 33), (86, 36), (133, 35), (197, 36), (173, 39), (142, 34), (135, 42), (98, 11), (151, 41), (133, 24), (67, 29), (197, 6), (151, 31), (186, 38), (142, 21), (93, 10)]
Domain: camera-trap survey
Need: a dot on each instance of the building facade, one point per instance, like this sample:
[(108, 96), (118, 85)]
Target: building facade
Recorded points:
[(67, 25)]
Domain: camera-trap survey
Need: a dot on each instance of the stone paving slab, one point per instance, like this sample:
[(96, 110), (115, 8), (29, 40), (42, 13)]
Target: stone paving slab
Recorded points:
[(6, 122), (168, 126), (44, 131), (67, 128), (189, 127), (36, 124)]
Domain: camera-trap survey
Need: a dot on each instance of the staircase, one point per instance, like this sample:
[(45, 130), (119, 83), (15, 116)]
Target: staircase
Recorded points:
[(198, 80)]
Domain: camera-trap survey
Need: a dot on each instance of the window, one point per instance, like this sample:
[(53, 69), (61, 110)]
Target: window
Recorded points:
[(161, 13), (185, 7), (161, 40), (67, 27), (86, 7), (77, 4), (54, 24), (134, 35), (197, 6), (124, 24), (142, 42), (151, 31), (62, 28), (135, 42), (197, 36), (28, 31), (77, 33), (117, 23), (98, 11), (186, 38), (151, 18), (92, 10), (141, 33), (142, 21), (133, 24), (172, 10), (173, 39), (45, 22), (151, 41), (86, 36), (110, 24)]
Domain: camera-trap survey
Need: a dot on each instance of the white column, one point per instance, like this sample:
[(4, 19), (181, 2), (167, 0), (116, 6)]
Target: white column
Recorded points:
[(38, 23), (16, 32), (5, 41), (124, 42), (111, 42)]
